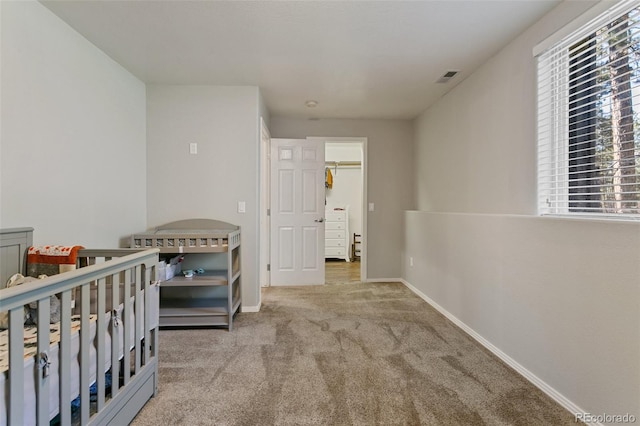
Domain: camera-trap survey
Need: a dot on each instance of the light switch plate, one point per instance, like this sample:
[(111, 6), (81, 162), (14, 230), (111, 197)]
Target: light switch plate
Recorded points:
[(242, 207), (371, 207), (193, 148)]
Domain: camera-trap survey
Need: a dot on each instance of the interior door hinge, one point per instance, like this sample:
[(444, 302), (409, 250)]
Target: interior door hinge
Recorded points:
[(268, 267), (268, 212)]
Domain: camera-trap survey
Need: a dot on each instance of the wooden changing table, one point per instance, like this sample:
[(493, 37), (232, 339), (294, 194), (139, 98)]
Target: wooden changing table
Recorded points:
[(198, 301)]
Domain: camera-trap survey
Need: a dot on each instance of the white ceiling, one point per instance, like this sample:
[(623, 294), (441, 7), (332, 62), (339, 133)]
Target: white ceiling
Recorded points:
[(358, 59)]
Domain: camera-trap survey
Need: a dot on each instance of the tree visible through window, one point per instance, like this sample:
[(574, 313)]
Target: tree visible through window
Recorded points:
[(595, 89)]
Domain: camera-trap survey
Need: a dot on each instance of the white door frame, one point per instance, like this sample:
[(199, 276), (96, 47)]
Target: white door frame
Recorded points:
[(363, 251), (264, 278), (265, 191)]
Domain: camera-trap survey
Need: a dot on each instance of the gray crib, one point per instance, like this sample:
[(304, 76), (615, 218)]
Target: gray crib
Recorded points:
[(98, 364)]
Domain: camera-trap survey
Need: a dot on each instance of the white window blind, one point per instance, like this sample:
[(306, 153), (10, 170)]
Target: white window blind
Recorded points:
[(589, 118)]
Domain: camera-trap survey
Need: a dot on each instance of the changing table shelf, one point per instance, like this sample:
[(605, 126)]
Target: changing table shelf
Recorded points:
[(195, 312), (186, 301), (208, 278)]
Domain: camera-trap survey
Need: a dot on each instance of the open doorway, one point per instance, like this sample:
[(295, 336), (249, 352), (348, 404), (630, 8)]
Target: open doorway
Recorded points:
[(343, 211), (349, 150)]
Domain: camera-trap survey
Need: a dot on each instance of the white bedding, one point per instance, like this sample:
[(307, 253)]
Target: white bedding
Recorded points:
[(29, 368)]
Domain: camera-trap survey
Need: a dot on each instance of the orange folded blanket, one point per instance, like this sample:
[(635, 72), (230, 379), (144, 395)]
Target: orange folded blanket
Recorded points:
[(51, 260)]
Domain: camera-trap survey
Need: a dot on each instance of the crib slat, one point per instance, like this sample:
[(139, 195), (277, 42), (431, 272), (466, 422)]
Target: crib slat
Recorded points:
[(147, 311), (16, 367), (115, 335), (230, 291), (100, 344), (42, 392), (85, 359), (65, 353), (127, 327), (138, 315)]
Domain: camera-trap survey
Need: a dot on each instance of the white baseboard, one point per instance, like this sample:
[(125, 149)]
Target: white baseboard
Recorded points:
[(536, 381), (250, 308), (383, 280)]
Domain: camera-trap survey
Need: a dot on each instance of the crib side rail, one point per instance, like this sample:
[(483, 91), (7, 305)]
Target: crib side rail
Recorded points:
[(86, 254), (18, 296), (138, 267)]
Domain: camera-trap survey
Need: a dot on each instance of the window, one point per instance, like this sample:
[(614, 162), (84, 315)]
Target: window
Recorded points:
[(589, 117)]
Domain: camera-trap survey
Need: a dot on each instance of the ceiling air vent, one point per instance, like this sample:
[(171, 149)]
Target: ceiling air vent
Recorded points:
[(447, 76)]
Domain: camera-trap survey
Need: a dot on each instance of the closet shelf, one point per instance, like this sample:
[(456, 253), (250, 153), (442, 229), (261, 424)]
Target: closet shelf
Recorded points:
[(343, 163)]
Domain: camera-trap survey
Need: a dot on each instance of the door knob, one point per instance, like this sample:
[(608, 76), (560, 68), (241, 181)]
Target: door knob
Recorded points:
[(319, 220)]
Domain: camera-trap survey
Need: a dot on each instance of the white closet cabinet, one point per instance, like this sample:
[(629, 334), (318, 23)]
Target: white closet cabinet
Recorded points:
[(336, 234)]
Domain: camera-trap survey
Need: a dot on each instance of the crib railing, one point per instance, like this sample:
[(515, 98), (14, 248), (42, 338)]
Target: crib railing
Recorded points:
[(184, 241), (126, 270)]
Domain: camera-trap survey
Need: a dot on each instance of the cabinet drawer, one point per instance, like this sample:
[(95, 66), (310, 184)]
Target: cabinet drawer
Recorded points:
[(336, 216), (338, 233), (334, 243), (330, 226), (334, 251)]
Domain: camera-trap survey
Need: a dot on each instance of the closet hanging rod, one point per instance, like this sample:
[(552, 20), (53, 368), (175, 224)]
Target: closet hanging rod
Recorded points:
[(342, 163)]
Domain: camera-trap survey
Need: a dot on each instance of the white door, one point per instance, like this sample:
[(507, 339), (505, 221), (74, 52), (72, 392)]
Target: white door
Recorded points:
[(297, 212)]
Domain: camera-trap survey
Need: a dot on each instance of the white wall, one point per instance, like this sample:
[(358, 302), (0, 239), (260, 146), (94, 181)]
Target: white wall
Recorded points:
[(561, 297), (390, 179), (222, 120), (347, 183), (73, 134)]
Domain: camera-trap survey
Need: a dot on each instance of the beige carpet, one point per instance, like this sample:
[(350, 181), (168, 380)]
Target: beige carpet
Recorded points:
[(356, 354)]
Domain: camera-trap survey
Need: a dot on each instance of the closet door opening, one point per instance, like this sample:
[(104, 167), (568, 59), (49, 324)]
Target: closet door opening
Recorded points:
[(344, 210), (347, 162)]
